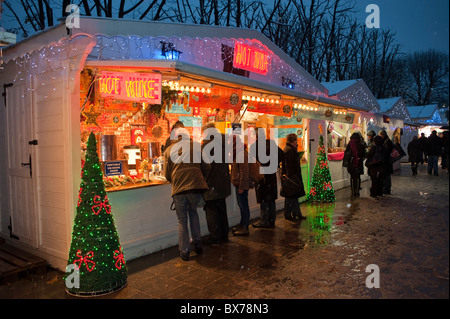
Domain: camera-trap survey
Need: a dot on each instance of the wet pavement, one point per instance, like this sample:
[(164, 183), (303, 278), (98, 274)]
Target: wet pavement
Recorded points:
[(325, 256)]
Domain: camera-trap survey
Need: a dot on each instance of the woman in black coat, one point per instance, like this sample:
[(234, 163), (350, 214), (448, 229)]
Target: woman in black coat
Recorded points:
[(292, 170), (376, 159), (266, 191), (414, 154), (355, 165)]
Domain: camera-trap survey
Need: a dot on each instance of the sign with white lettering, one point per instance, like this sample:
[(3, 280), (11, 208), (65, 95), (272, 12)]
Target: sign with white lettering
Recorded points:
[(113, 168), (138, 87)]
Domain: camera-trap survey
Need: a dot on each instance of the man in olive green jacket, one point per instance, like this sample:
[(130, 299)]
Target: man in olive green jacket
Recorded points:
[(185, 170)]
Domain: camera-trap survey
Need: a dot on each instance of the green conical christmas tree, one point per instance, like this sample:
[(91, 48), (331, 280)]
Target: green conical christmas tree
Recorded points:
[(95, 247), (321, 188)]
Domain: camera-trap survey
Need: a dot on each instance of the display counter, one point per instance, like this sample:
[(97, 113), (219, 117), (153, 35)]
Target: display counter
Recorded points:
[(133, 185), (336, 156)]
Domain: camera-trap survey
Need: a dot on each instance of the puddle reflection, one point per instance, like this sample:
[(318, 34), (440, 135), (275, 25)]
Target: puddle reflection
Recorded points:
[(319, 222)]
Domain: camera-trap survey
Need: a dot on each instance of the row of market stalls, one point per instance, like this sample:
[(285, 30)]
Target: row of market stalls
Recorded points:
[(129, 82)]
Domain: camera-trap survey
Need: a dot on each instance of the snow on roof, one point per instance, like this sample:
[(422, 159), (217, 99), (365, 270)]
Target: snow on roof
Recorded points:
[(387, 104), (422, 111), (338, 86)]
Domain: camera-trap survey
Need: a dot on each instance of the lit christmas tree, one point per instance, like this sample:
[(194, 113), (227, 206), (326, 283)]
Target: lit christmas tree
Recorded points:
[(95, 247), (321, 188)]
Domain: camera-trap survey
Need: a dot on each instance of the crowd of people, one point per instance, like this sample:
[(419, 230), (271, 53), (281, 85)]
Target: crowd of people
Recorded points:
[(200, 184), (204, 184), (380, 153), (377, 153)]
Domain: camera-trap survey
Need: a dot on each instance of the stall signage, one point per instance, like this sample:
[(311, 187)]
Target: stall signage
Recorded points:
[(250, 58), (283, 108), (283, 132), (191, 121), (137, 87), (113, 168), (281, 120), (218, 98)]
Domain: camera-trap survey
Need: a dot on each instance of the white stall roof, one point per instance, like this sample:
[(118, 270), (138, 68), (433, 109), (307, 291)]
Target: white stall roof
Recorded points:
[(336, 87), (132, 29), (355, 92), (394, 106), (422, 111)]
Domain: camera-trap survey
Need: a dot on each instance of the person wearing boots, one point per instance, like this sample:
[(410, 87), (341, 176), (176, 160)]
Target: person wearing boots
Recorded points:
[(389, 168), (414, 154), (355, 166), (240, 178), (292, 170), (219, 187), (376, 159), (266, 191)]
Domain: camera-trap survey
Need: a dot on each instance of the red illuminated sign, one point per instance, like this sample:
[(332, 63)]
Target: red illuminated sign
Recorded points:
[(249, 58), (138, 87)]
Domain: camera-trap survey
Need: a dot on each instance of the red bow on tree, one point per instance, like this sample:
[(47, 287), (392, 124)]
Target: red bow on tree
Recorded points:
[(326, 186), (105, 204), (90, 265), (118, 255)]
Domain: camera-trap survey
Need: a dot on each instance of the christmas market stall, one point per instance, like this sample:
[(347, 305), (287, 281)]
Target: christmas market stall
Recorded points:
[(340, 126), (124, 84), (396, 108)]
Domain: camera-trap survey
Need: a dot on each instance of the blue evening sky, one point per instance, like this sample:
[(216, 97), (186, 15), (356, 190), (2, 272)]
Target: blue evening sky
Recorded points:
[(418, 24)]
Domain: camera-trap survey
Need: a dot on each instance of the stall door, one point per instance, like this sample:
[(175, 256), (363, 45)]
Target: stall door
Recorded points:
[(23, 220)]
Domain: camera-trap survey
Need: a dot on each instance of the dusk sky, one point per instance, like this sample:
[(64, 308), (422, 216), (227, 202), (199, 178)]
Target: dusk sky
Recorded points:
[(418, 24)]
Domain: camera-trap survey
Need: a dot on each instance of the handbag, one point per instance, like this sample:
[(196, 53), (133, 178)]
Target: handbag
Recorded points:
[(348, 158), (254, 172), (291, 187), (376, 159), (397, 153)]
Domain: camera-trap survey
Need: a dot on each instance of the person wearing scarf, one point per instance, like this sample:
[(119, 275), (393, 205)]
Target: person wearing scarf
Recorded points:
[(356, 168)]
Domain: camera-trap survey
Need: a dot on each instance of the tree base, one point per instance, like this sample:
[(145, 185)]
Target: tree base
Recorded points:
[(96, 293)]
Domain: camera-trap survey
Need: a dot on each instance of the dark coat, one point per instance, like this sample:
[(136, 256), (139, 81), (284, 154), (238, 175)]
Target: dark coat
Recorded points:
[(379, 151), (291, 167), (361, 149), (389, 146), (434, 145), (423, 141), (267, 190), (414, 151), (218, 178)]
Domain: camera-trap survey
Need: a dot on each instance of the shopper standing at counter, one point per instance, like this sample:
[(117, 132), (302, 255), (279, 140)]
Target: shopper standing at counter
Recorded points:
[(267, 190), (292, 170), (219, 183), (356, 152), (389, 169), (188, 184), (169, 141), (240, 177)]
